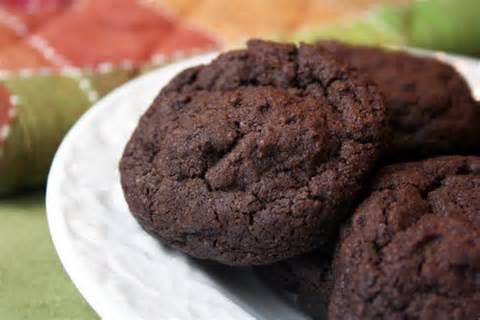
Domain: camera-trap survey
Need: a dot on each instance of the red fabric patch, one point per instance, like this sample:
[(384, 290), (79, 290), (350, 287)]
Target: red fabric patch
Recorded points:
[(35, 4), (21, 55), (36, 16), (36, 19), (7, 36), (114, 31), (5, 111)]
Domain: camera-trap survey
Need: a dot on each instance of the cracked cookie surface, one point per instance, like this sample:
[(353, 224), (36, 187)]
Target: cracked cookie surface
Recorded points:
[(430, 107), (255, 157), (412, 250)]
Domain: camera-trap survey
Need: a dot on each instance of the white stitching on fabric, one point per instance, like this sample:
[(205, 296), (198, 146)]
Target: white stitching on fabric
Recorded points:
[(105, 67), (12, 22), (14, 100), (50, 54), (4, 74), (57, 59), (6, 128), (4, 131), (42, 46), (83, 82), (86, 86)]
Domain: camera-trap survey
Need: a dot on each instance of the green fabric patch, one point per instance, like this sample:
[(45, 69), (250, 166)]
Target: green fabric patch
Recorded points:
[(384, 25), (446, 25), (33, 285), (106, 82), (48, 106), (42, 121)]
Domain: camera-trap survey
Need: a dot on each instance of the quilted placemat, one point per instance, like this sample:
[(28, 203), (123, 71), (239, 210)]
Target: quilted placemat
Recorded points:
[(57, 58)]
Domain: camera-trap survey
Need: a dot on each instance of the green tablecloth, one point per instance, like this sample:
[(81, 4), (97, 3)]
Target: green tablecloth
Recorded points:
[(33, 285)]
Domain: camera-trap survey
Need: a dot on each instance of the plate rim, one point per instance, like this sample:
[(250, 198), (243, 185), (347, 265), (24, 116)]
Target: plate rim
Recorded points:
[(55, 217)]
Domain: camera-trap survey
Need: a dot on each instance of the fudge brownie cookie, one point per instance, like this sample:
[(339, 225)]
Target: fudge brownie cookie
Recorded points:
[(255, 157), (412, 250), (430, 107)]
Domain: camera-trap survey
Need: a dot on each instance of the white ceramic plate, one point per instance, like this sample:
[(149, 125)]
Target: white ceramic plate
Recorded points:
[(121, 271)]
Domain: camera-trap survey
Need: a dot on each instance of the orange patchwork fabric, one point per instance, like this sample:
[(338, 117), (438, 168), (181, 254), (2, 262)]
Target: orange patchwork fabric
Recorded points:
[(7, 36), (86, 33), (234, 21), (20, 55)]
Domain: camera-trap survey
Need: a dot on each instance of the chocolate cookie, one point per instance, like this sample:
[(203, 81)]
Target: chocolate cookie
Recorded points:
[(305, 280), (412, 250), (255, 157), (430, 107)]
